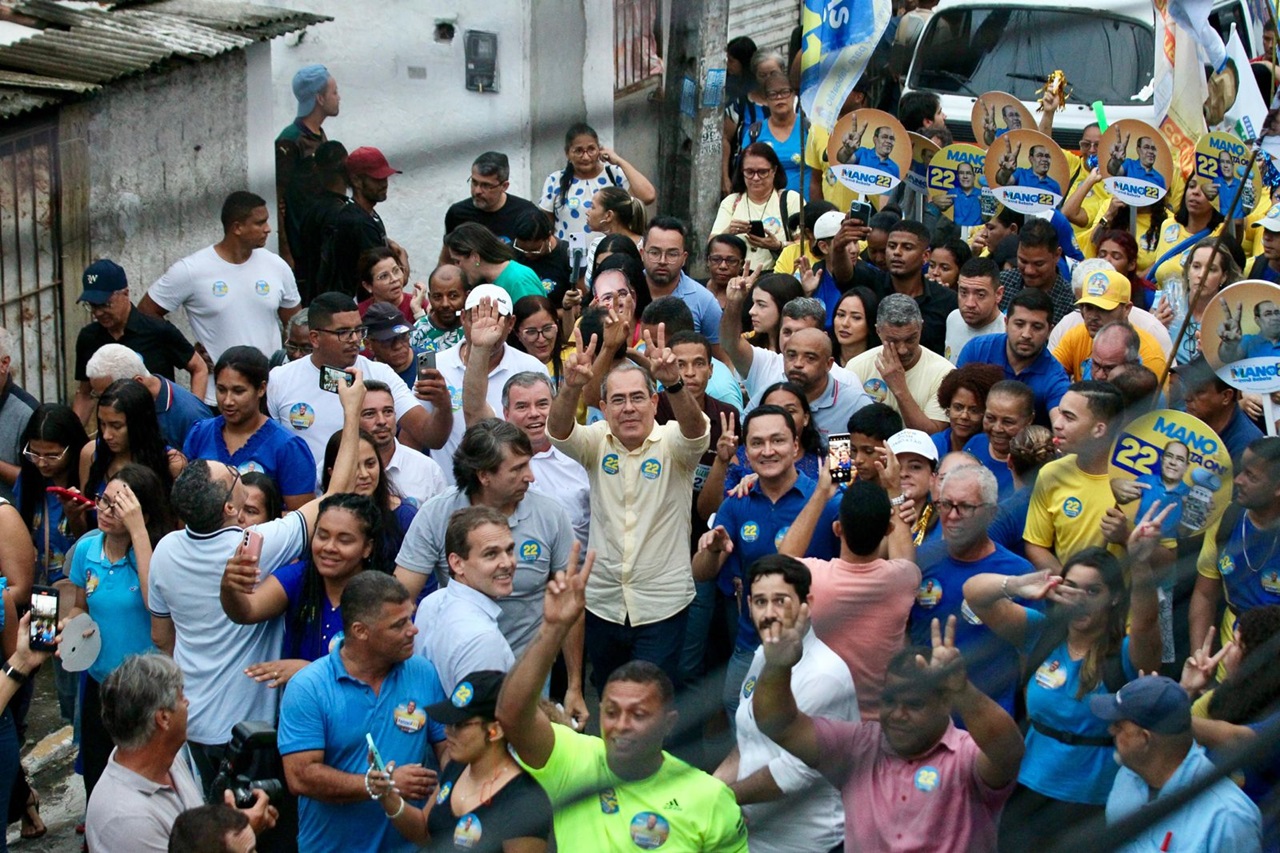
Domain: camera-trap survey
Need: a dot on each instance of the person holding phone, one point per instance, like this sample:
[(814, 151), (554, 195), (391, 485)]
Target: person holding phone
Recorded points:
[(759, 206), (110, 568)]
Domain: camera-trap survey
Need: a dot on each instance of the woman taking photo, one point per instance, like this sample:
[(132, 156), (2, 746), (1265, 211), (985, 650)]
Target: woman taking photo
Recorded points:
[(538, 333), (127, 432), (109, 570), (1076, 649), (51, 447), (484, 802), (307, 592), (759, 206), (567, 194), (963, 396), (853, 324), (371, 482), (382, 280), (242, 435), (768, 297)]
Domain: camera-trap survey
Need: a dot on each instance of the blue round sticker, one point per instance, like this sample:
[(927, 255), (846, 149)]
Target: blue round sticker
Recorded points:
[(927, 778), (610, 463), (650, 469), (1071, 507), (748, 687), (750, 531), (462, 694), (219, 288), (530, 551), (262, 287)]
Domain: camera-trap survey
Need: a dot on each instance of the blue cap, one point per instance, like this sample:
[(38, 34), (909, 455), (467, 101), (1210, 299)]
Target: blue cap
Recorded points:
[(310, 81), (1155, 703), (101, 279)]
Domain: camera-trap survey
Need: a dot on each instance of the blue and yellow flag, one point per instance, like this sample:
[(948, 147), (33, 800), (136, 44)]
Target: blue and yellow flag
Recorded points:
[(839, 36)]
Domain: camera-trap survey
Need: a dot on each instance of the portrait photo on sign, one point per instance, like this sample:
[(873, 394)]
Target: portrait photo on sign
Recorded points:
[(1220, 163), (997, 113), (956, 182), (1240, 336), (1136, 165), (922, 154), (1026, 171), (869, 151)]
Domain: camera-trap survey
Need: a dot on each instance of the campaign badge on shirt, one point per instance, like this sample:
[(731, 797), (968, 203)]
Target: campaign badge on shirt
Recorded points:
[(876, 389), (929, 594), (250, 467), (261, 287), (409, 717), (1050, 675), (966, 612), (1171, 232), (927, 779), (700, 476), (443, 794), (466, 835), (530, 551), (748, 687), (1226, 565), (649, 831), (650, 469), (455, 398), (90, 583), (219, 289), (779, 536), (610, 463), (608, 801), (301, 416), (1271, 582), (1072, 507), (750, 531), (335, 642)]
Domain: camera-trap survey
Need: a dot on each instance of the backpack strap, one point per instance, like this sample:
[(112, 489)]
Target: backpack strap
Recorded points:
[(1113, 674), (782, 207)]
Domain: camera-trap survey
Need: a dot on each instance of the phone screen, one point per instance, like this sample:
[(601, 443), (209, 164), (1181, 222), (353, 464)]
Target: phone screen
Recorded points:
[(44, 618), (331, 376), (840, 457)]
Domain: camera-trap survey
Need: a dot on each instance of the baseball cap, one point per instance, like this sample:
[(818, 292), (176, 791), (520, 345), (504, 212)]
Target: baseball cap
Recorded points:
[(384, 321), (1271, 219), (369, 161), (913, 441), (101, 279), (1105, 289), (1197, 373), (489, 291), (827, 225), (476, 695), (310, 81), (1154, 702)]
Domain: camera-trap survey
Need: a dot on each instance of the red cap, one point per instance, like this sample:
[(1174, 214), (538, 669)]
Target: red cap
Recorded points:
[(369, 161)]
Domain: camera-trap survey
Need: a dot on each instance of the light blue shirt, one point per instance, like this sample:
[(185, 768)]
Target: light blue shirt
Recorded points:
[(114, 597), (832, 409), (1221, 818), (702, 302), (458, 632)]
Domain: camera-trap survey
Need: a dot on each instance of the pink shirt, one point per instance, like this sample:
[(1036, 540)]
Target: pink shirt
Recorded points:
[(860, 610), (935, 802)]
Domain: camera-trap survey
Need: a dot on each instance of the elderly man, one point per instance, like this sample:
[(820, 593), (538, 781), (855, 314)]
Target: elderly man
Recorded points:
[(177, 409), (387, 337), (642, 476), (1105, 301), (1009, 173), (1143, 167), (1236, 345), (900, 372), (148, 783)]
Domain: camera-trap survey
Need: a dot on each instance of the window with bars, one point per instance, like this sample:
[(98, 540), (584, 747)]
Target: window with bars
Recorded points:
[(637, 53)]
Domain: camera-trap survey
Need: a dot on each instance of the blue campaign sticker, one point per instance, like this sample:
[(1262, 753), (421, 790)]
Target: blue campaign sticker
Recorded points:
[(219, 288), (649, 830), (750, 531), (779, 536), (748, 687), (262, 287), (1226, 565), (443, 793), (462, 694), (1072, 506), (610, 463), (530, 551), (608, 801), (927, 778), (650, 469)]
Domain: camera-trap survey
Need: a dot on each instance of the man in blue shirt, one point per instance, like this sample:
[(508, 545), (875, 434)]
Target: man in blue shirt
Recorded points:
[(1143, 168), (176, 407), (1150, 720), (388, 341), (1225, 188), (964, 200), (1235, 345), (1022, 351), (1037, 177), (1267, 265), (751, 527), (665, 253), (1216, 403), (877, 157), (372, 683)]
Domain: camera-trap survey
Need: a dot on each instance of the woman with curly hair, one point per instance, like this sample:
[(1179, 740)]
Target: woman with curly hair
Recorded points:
[(963, 396)]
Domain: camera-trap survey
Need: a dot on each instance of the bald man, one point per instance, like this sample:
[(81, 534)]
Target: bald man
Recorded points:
[(807, 362)]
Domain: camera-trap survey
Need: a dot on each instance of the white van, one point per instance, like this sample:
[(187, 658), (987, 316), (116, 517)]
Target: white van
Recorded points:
[(969, 47)]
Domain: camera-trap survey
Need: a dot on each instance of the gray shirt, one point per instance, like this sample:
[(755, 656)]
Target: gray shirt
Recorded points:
[(458, 632), (130, 812), (543, 537)]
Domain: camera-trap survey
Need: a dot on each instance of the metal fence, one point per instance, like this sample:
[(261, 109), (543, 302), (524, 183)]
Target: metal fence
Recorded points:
[(30, 260), (637, 56)]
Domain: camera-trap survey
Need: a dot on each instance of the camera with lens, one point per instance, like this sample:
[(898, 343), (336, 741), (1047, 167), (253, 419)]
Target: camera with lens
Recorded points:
[(251, 762)]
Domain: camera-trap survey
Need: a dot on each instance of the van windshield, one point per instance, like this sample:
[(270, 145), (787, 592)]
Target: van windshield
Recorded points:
[(979, 49)]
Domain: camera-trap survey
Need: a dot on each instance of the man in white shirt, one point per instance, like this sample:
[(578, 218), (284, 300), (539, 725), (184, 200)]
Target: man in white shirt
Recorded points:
[(504, 362), (458, 625), (296, 399), (979, 293), (901, 373), (235, 291), (789, 806), (414, 475)]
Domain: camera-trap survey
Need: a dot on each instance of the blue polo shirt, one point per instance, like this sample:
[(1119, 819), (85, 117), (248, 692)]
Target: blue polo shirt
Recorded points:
[(1227, 190), (1239, 434), (868, 158), (113, 595), (1258, 346), (325, 708), (1133, 169), (702, 302), (966, 208), (833, 408), (992, 663), (1030, 180), (756, 526), (275, 451), (1011, 521), (1046, 377), (979, 447), (177, 410)]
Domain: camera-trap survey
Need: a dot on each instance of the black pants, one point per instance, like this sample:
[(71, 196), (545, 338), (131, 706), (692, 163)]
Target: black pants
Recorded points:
[(95, 743), (610, 645), (1028, 813)]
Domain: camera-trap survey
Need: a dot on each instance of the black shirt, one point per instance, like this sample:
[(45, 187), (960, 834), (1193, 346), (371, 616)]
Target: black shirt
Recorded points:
[(501, 222), (352, 230), (161, 345), (316, 222), (520, 809), (553, 269)]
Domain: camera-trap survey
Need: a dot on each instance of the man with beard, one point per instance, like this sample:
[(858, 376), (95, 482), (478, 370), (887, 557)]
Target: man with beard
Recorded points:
[(902, 373), (807, 362), (905, 254), (356, 226), (413, 474), (665, 254), (1039, 251), (490, 204), (978, 294), (1010, 409)]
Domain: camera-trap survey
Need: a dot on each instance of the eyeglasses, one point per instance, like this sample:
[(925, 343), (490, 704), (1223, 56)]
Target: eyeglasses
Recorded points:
[(757, 173), (540, 249), (355, 334), (485, 186), (531, 334), (723, 261), (779, 93), (42, 457), (105, 504), (298, 349), (611, 298), (235, 478), (589, 151), (668, 255), (388, 275), (962, 510)]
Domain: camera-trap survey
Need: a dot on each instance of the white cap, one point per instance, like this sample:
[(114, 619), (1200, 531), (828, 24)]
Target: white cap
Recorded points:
[(913, 441), (827, 225), (1270, 220), (490, 291)]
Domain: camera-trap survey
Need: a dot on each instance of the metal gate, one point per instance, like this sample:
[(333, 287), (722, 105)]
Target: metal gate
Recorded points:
[(30, 261)]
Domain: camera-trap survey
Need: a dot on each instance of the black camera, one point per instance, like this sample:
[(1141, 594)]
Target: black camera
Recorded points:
[(251, 762)]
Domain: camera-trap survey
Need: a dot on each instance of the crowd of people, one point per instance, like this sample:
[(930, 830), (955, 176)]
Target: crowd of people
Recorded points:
[(564, 547)]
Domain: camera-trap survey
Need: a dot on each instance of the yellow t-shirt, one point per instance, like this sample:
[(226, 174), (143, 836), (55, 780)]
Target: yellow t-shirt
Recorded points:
[(1251, 240), (922, 380), (815, 157), (1171, 234), (1067, 506), (790, 254), (1076, 346), (1093, 204), (677, 809)]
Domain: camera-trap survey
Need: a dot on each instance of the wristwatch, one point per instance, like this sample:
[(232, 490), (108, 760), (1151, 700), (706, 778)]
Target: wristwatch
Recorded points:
[(675, 387), (898, 501), (14, 673)]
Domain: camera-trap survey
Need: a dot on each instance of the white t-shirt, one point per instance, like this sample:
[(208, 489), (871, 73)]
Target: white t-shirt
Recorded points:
[(564, 481), (229, 304), (211, 650), (296, 401), (450, 365), (415, 475), (960, 333), (922, 381)]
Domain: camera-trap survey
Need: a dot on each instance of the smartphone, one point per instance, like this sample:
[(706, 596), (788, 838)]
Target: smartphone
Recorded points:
[(377, 757), (861, 211), (331, 376), (426, 361), (251, 544), (756, 228), (70, 495), (44, 618), (840, 457)]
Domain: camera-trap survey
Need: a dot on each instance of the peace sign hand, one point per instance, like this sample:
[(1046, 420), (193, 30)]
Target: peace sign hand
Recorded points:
[(1146, 533), (989, 117), (1199, 669), (1118, 148), (662, 361), (1230, 329), (945, 665), (783, 638), (1008, 160), (577, 370), (566, 594), (736, 290), (727, 445)]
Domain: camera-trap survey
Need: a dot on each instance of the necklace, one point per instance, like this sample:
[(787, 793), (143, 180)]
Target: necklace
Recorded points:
[(486, 792), (921, 526), (1244, 546)]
